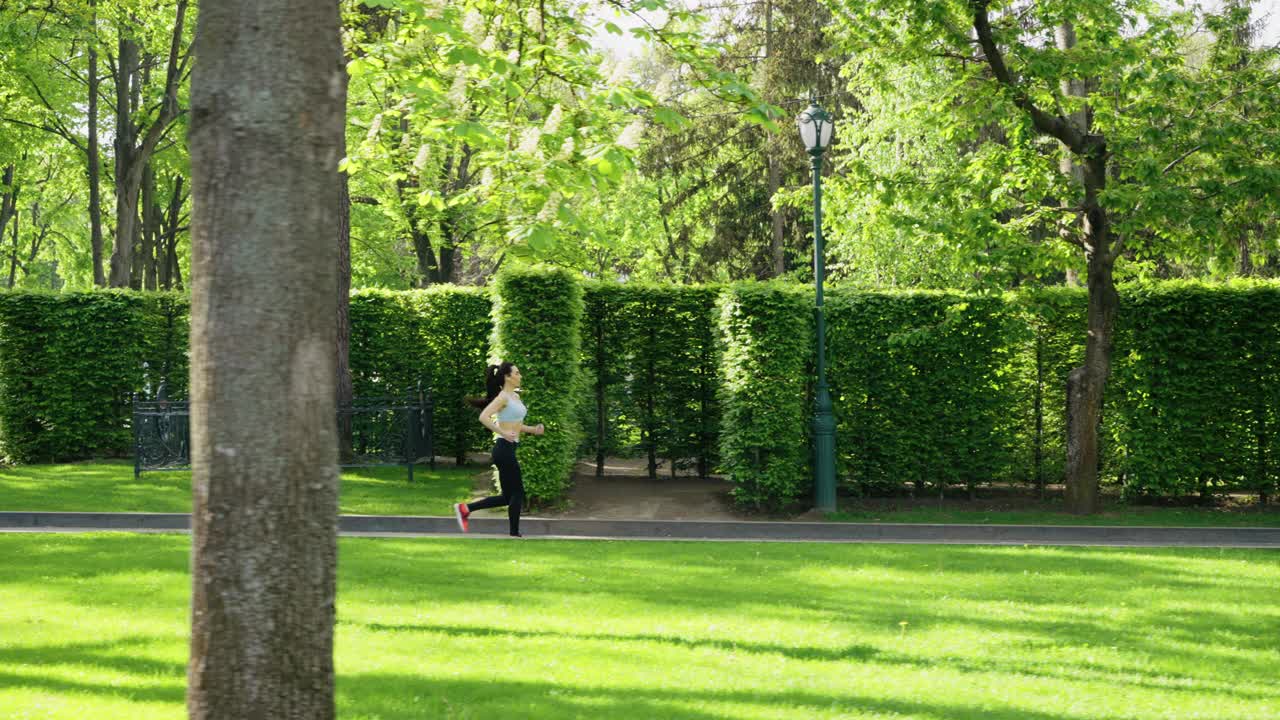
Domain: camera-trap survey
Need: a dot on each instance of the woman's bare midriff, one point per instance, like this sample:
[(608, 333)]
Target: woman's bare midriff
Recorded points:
[(510, 427)]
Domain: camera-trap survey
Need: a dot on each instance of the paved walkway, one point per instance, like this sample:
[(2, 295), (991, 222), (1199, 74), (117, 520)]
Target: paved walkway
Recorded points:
[(573, 528)]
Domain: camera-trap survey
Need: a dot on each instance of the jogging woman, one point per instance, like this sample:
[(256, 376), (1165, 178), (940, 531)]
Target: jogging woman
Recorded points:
[(503, 413)]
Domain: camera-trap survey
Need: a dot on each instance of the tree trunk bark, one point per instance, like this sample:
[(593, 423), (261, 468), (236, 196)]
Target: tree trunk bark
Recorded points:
[(126, 197), (170, 276), (1085, 384), (9, 212), (132, 156), (150, 230), (266, 136), (95, 159)]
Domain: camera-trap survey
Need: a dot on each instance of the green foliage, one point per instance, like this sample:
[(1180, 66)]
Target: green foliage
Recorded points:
[(947, 182), (649, 366), (166, 321), (1196, 392), (1052, 343), (537, 315), (437, 338), (767, 333), (456, 326), (68, 365), (921, 388)]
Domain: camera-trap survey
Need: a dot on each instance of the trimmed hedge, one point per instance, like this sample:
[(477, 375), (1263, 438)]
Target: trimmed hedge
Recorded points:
[(920, 389), (456, 326), (931, 389), (1051, 344), (649, 364), (767, 332), (437, 338), (1195, 398), (537, 314), (68, 365)]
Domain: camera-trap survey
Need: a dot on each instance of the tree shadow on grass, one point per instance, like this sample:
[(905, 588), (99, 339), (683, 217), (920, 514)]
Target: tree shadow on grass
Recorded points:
[(1070, 671), (849, 652), (113, 656), (385, 695)]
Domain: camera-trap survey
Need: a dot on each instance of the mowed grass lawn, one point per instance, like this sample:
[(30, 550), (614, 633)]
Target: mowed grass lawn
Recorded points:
[(95, 626), (109, 486)]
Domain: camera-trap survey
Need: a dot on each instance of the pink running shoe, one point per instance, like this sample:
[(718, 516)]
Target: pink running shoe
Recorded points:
[(461, 513)]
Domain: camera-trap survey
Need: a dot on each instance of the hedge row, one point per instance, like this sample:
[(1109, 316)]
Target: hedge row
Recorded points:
[(932, 389), (437, 338), (649, 364), (1194, 407), (767, 334), (537, 314), (919, 381), (68, 364)]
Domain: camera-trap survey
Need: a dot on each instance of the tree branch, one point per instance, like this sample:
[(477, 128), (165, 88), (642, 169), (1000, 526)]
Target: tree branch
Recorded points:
[(1179, 159), (1053, 126)]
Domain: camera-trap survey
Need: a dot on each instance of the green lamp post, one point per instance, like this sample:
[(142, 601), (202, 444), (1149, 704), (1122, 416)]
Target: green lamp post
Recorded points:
[(815, 130)]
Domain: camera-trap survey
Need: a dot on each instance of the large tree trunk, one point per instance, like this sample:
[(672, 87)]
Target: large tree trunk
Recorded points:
[(170, 274), (145, 264), (95, 159), (266, 137), (1085, 384), (127, 62), (131, 156)]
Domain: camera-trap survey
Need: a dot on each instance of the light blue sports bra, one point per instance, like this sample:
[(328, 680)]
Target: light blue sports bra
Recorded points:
[(514, 411)]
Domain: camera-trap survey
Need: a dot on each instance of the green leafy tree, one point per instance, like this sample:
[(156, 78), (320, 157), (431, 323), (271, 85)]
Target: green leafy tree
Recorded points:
[(998, 127)]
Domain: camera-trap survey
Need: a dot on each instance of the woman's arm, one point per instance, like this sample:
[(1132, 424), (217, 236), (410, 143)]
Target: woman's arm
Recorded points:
[(486, 415), (534, 429)]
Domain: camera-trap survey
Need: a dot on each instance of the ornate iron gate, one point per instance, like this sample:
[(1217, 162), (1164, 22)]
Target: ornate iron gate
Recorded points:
[(384, 431)]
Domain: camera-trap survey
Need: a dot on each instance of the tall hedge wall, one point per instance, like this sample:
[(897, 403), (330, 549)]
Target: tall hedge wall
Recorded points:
[(931, 389), (767, 333), (1194, 405), (1050, 344), (68, 364), (537, 315), (649, 364), (437, 337), (921, 393)]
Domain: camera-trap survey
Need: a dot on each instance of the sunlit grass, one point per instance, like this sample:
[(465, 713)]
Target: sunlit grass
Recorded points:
[(96, 626), (109, 486)]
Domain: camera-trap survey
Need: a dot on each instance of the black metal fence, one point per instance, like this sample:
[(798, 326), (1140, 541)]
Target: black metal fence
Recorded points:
[(382, 431)]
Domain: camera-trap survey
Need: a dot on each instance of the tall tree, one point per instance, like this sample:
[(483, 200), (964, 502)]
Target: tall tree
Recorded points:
[(135, 143), (974, 103), (266, 137)]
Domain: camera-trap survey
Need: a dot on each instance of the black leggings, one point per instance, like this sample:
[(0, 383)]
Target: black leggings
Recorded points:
[(504, 456)]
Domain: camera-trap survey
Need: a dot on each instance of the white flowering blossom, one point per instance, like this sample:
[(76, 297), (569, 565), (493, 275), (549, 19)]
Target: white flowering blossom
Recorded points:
[(532, 18), (424, 156), (374, 128), (487, 177), (620, 73), (474, 26), (566, 150), (458, 92), (632, 135), (529, 141), (552, 125), (550, 209)]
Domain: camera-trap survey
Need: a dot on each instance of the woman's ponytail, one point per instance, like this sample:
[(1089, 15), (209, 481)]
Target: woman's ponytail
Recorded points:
[(494, 378)]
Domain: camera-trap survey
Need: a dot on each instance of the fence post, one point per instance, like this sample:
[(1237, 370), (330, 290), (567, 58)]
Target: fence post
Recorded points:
[(137, 438)]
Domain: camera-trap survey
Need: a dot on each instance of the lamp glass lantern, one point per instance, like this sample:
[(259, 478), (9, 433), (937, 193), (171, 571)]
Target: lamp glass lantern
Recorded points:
[(815, 128)]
